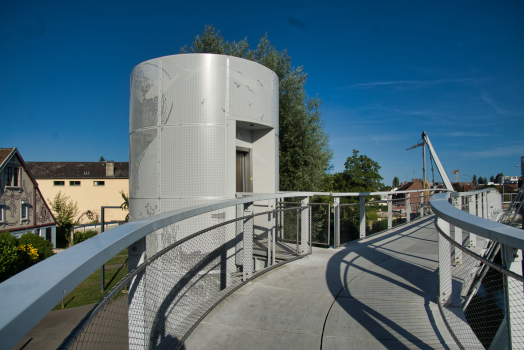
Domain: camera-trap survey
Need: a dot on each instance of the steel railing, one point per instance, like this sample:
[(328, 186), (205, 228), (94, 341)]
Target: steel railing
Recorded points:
[(481, 295), (31, 294)]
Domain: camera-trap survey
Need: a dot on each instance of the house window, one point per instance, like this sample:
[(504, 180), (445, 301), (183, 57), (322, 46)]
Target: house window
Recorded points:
[(23, 210), (74, 183), (99, 183), (12, 176), (8, 176), (58, 183)]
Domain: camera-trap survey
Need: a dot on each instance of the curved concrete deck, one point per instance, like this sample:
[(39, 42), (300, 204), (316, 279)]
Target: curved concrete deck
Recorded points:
[(378, 293)]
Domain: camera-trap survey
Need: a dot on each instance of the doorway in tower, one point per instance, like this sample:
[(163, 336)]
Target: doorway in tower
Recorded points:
[(244, 177)]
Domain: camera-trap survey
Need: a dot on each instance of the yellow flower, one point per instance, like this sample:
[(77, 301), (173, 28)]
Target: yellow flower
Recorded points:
[(30, 250)]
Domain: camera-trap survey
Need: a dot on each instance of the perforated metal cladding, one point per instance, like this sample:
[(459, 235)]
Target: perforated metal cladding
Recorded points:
[(178, 132), (143, 159), (194, 90), (251, 91), (193, 161), (144, 95)]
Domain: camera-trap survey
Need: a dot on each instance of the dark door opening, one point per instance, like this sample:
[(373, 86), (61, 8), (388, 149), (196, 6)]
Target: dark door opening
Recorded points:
[(243, 172)]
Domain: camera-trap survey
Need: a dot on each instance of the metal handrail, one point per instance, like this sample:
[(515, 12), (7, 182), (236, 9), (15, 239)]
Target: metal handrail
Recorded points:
[(489, 229)]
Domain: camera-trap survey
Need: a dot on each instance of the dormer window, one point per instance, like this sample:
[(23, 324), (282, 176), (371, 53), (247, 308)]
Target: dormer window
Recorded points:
[(12, 176)]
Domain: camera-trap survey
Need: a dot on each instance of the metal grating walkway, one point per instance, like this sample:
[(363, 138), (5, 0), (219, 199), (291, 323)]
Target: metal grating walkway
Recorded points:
[(379, 293)]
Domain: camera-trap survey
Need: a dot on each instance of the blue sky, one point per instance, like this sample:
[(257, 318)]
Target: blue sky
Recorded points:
[(385, 71)]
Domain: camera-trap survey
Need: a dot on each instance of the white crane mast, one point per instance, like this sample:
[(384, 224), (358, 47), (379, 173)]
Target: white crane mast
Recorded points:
[(440, 168)]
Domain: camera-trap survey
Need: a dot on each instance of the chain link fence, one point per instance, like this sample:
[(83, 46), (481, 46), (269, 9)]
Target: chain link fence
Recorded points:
[(161, 301)]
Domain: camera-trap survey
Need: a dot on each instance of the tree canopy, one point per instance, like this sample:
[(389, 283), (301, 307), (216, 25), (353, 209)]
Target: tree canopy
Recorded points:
[(360, 175), (303, 145), (396, 181)]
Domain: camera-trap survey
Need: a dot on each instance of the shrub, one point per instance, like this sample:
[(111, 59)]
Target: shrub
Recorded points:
[(83, 236), (43, 246), (15, 257)]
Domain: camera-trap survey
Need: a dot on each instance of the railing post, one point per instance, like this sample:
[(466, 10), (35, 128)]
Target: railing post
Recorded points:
[(421, 196), (514, 297), (444, 264), (485, 205), (247, 259), (271, 232), (458, 232), (336, 222), (472, 207), (304, 226), (137, 324), (239, 236), (479, 204), (408, 207), (362, 200), (390, 212)]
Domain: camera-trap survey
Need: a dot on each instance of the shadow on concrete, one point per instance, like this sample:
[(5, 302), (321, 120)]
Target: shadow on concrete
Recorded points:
[(377, 322)]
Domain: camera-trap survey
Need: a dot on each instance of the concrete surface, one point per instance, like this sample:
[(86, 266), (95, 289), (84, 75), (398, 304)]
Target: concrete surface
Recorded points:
[(378, 293), (49, 333)]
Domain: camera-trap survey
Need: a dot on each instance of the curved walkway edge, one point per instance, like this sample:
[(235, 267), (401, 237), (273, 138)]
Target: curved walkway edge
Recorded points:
[(377, 293)]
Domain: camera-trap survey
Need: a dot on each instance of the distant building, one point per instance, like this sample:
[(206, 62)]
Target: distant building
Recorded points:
[(414, 184), (22, 206), (90, 184), (508, 179)]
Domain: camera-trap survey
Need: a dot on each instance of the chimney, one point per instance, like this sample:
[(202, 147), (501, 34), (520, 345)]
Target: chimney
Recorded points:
[(110, 168)]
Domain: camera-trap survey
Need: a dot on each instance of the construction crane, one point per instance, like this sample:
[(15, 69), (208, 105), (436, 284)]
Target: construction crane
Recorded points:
[(456, 172), (440, 168)]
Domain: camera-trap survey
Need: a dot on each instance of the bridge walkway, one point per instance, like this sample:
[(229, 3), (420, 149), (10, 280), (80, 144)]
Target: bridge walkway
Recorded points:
[(377, 293)]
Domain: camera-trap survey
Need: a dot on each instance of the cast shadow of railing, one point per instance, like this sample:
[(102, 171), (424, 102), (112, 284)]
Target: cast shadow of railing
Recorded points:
[(417, 281)]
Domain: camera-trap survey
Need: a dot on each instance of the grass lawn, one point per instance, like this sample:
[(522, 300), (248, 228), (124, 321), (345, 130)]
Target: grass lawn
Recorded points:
[(88, 292)]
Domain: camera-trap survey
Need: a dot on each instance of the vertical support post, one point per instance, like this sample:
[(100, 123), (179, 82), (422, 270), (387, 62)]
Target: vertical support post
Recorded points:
[(485, 205), (304, 226), (247, 259), (479, 205), (444, 263), (390, 212), (271, 232), (362, 200), (472, 207), (102, 268), (137, 297), (336, 223), (514, 297), (239, 236), (457, 202), (421, 196), (408, 207), (329, 223)]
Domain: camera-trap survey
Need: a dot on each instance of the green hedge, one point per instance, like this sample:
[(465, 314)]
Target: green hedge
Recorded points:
[(80, 236), (45, 248), (17, 255)]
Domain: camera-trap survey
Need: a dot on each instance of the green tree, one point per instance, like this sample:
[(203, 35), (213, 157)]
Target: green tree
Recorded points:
[(303, 145), (65, 211), (396, 181), (500, 178), (102, 159), (474, 179), (492, 179), (480, 180), (360, 175), (485, 181)]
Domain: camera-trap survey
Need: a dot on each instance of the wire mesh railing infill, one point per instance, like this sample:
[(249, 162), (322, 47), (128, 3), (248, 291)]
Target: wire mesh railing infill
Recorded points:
[(165, 298), (482, 290)]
